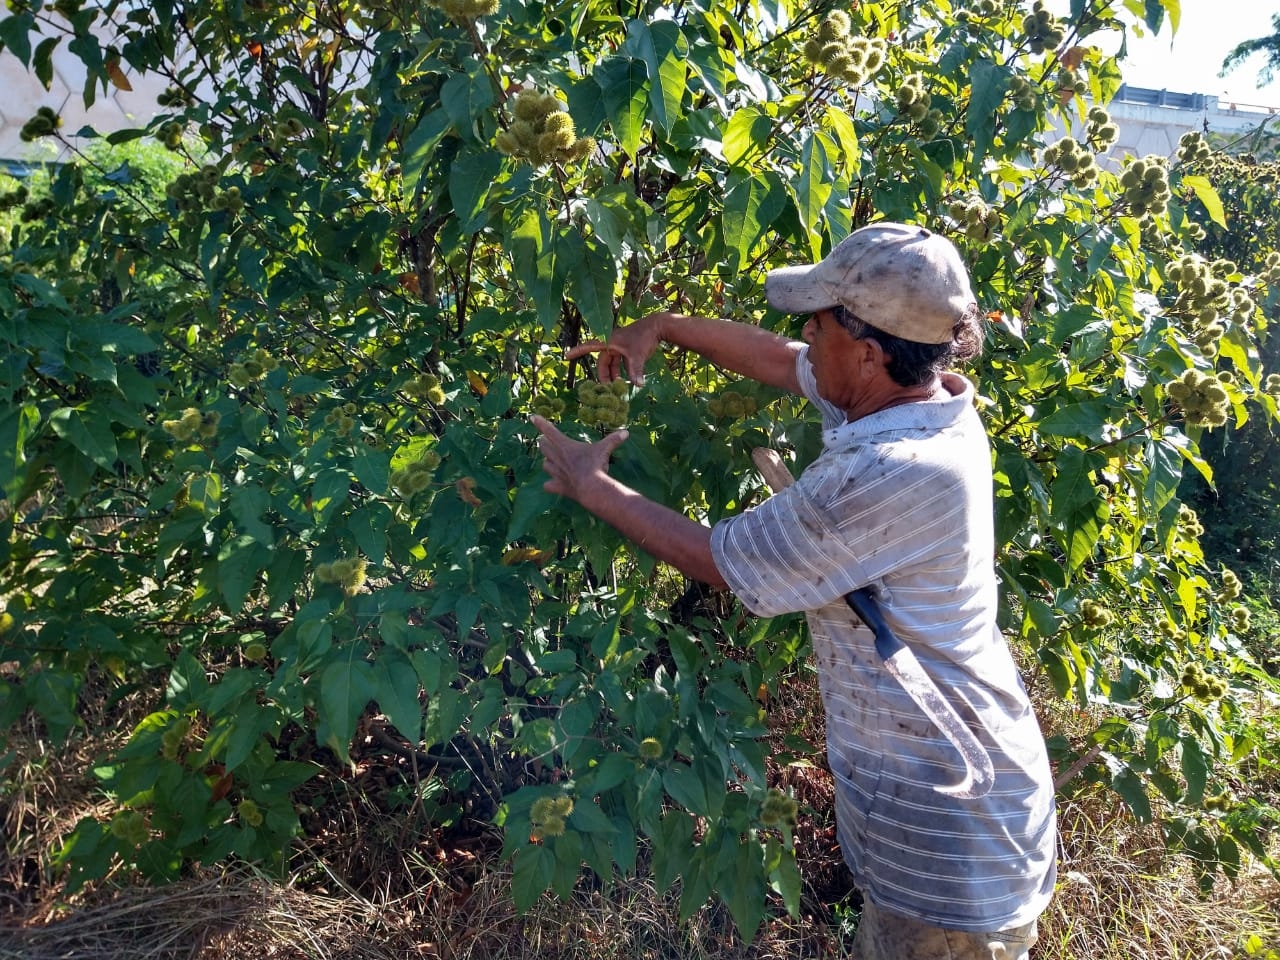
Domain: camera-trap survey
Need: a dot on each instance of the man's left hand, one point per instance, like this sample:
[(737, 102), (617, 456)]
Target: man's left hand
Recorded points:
[(572, 464)]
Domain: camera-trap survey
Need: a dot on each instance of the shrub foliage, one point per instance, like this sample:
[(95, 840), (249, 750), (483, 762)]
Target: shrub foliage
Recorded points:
[(264, 452)]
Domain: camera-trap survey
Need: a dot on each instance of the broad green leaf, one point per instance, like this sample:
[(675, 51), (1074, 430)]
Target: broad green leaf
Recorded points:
[(17, 424), (751, 205), (419, 146), (813, 187), (989, 84), (663, 49), (747, 133), (841, 126), (396, 691), (591, 274), (344, 689), (89, 431), (471, 178), (239, 562), (1207, 196), (534, 868), (624, 86), (466, 97)]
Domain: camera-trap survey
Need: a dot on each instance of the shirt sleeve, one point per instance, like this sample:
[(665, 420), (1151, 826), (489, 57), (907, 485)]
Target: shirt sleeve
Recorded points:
[(783, 556)]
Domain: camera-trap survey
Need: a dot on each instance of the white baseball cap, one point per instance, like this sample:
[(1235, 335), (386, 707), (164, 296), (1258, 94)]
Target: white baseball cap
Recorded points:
[(902, 279)]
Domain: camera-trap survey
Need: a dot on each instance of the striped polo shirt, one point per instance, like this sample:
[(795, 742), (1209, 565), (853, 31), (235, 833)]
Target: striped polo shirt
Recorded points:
[(902, 499)]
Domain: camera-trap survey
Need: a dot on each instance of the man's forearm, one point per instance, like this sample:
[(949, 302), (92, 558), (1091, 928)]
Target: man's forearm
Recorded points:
[(666, 534), (745, 349)]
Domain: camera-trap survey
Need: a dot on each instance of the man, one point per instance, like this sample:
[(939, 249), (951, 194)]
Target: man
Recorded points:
[(900, 499)]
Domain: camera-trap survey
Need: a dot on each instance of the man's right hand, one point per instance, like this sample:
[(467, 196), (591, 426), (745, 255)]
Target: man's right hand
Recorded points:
[(630, 346)]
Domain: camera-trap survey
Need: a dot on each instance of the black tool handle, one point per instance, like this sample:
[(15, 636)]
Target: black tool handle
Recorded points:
[(863, 603)]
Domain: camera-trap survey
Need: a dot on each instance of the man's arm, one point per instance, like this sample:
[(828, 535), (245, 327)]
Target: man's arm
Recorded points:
[(743, 348), (580, 471)]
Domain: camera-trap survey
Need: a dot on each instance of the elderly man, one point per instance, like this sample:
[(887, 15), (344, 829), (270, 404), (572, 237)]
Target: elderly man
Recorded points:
[(899, 501)]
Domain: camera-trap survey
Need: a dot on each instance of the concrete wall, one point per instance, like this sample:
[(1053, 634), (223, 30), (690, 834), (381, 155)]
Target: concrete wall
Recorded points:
[(21, 94)]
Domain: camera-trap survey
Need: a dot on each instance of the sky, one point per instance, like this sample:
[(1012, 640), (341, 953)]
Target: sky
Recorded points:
[(1189, 61)]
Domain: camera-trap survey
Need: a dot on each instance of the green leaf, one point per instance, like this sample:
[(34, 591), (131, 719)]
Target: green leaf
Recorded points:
[(1195, 769), (466, 97), (15, 35), (471, 178), (989, 83), (624, 86), (89, 431), (534, 868), (746, 133), (1208, 197), (750, 208), (592, 276), (396, 691), (813, 187), (43, 61), (419, 147), (663, 49), (17, 424), (239, 561), (345, 688)]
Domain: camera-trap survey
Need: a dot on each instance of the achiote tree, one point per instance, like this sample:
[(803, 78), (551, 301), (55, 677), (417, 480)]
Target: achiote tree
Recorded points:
[(264, 448)]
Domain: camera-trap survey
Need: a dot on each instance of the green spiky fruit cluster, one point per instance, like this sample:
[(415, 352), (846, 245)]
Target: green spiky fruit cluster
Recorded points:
[(45, 123), (542, 132), (602, 404), (1222, 802), (913, 102), (1073, 159), (1240, 619), (131, 827), (1271, 268), (7, 622), (1241, 306), (1168, 628), (1193, 147), (14, 198), (779, 809), (1023, 93), (833, 49), (1200, 684), (425, 386), (1189, 523), (550, 408), (971, 19), (1146, 186), (254, 650), (342, 419), (193, 192), (731, 405), (650, 748), (170, 134), (193, 423), (1042, 29), (1271, 385), (1071, 84), (979, 220), (1095, 614), (416, 476), (254, 367), (1100, 131), (175, 97), (548, 814), (175, 738), (1204, 296), (347, 572), (37, 210), (249, 812), (1203, 400), (1231, 587), (466, 9)]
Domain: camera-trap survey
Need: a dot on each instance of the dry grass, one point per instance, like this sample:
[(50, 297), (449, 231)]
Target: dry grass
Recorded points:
[(376, 884)]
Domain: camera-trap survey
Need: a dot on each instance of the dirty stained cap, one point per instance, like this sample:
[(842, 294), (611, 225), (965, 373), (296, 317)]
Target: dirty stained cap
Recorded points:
[(902, 279)]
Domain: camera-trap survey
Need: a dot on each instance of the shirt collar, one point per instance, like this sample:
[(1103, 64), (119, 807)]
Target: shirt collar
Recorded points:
[(920, 414)]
